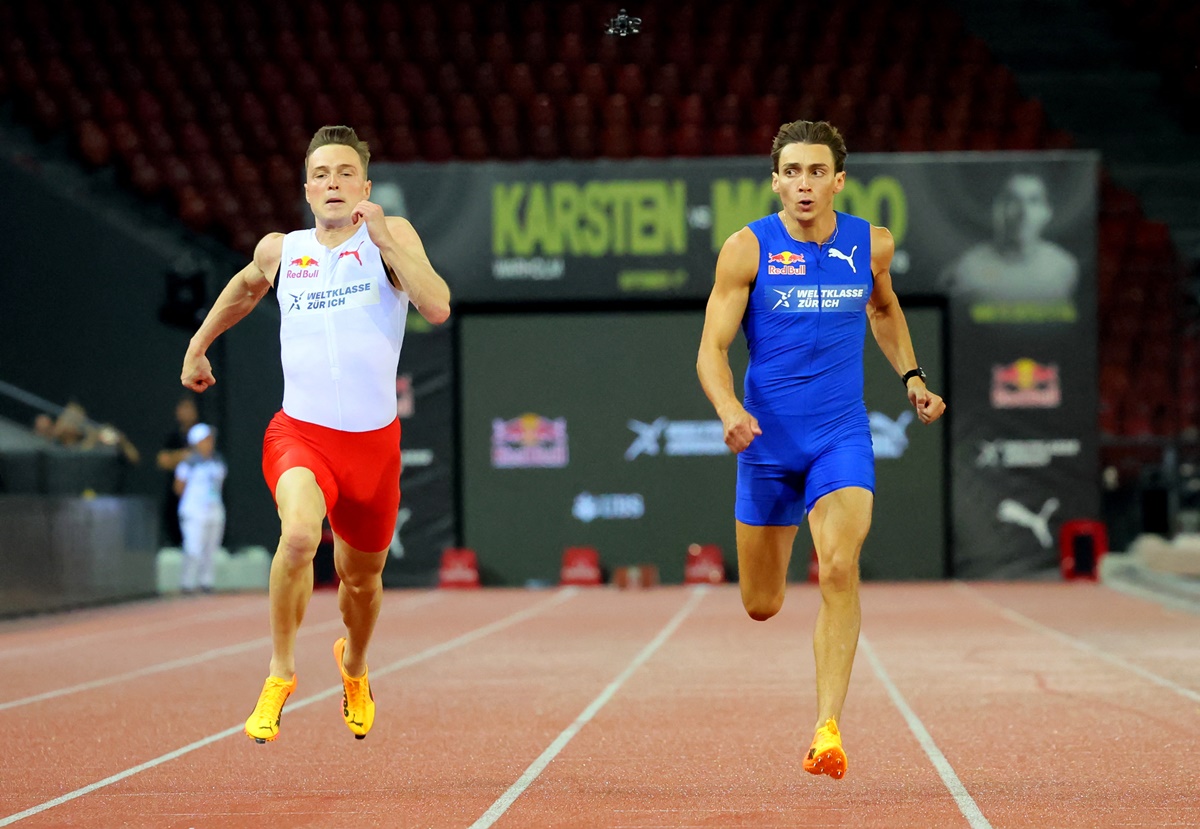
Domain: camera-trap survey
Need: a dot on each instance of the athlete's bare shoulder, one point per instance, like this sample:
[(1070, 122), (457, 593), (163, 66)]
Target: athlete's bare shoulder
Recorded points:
[(883, 246), (738, 260), (401, 228), (267, 254)]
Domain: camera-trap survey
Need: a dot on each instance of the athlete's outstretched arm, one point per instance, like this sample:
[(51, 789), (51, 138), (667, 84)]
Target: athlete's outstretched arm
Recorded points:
[(891, 328), (248, 286), (737, 266)]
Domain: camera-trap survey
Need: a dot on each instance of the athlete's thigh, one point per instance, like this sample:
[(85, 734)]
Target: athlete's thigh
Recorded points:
[(292, 465), (840, 521), (845, 459), (352, 564), (299, 497), (764, 553), (368, 475)]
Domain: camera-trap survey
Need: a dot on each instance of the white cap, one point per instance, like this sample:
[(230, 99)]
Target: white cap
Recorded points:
[(198, 433)]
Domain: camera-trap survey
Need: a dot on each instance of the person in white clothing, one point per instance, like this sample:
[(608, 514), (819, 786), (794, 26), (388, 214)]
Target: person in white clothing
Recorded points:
[(344, 289), (198, 481)]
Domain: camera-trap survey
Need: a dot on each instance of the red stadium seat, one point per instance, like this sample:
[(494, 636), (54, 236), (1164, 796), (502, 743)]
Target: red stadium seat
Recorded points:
[(653, 112), (507, 143), (472, 144), (688, 140), (581, 141), (616, 110), (726, 140), (652, 143), (616, 141), (436, 144), (630, 82), (593, 83), (543, 141), (578, 112), (503, 111)]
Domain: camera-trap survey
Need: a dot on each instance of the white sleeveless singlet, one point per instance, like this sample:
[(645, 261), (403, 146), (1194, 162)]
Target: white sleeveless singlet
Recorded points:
[(340, 332)]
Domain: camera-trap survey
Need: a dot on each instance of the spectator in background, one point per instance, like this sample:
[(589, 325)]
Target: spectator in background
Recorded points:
[(74, 430), (198, 482), (43, 426), (175, 450)]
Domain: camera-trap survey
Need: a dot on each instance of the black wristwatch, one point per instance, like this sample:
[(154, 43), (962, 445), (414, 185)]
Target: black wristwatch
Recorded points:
[(908, 375)]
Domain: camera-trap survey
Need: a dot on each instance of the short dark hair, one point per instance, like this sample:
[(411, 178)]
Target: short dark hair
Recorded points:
[(810, 132), (338, 135)]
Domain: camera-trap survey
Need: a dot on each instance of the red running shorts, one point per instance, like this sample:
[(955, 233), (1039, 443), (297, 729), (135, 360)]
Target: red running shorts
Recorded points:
[(358, 472)]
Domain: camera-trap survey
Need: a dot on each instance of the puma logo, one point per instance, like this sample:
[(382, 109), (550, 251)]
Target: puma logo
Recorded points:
[(849, 260), (353, 253), (888, 438), (1014, 512)]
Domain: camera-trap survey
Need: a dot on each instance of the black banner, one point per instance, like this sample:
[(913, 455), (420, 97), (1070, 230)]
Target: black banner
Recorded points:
[(425, 524), (590, 429)]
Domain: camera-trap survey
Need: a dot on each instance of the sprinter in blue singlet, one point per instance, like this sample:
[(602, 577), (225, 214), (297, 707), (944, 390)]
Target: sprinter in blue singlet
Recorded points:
[(803, 283)]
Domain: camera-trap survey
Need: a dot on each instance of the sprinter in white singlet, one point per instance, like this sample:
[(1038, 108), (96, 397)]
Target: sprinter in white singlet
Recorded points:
[(333, 450)]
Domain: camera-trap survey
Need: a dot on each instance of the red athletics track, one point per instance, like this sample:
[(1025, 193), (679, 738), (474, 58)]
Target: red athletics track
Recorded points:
[(972, 705)]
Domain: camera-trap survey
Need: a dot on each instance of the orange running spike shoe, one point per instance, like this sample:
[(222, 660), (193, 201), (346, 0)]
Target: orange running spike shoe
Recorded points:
[(263, 725), (826, 755), (358, 703)]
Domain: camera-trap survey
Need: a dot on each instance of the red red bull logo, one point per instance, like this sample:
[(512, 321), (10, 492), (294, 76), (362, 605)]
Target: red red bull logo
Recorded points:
[(303, 267), (1026, 384), (786, 258), (529, 441), (787, 263)]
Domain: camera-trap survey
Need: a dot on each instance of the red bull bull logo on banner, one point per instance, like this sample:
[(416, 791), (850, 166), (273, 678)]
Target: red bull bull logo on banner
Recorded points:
[(786, 264), (529, 441), (304, 267), (1026, 384)]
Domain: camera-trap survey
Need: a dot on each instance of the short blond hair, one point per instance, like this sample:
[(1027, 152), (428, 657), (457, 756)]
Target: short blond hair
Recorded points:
[(338, 135)]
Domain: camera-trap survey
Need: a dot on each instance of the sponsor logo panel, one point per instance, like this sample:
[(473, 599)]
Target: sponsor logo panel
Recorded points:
[(1025, 454), (676, 438), (355, 295), (612, 506), (889, 437), (1026, 384), (529, 441), (1012, 511)]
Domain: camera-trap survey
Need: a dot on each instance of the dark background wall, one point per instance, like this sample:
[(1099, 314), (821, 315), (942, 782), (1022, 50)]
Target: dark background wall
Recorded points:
[(79, 319)]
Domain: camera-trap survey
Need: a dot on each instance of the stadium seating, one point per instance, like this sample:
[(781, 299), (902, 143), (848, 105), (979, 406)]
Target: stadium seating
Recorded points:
[(206, 107)]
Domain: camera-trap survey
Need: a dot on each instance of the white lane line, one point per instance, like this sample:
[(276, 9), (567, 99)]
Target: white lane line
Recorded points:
[(186, 661), (498, 808), (428, 653), (1085, 647), (966, 803), (139, 629)]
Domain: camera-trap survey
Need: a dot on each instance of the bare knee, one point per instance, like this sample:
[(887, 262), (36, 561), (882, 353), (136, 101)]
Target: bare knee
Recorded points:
[(838, 576), (361, 583), (761, 607), (298, 541)]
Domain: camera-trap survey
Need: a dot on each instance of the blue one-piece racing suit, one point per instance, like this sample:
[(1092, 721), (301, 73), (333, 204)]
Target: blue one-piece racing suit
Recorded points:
[(805, 326)]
